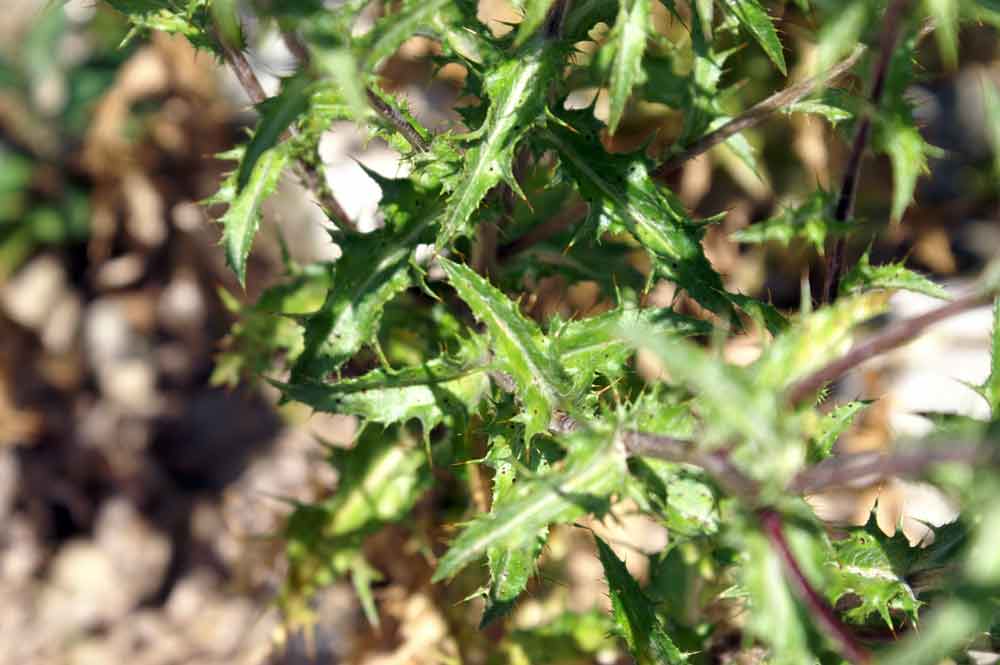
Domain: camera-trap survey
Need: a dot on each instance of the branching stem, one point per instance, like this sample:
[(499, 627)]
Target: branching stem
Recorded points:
[(892, 336), (819, 609), (892, 23), (759, 112)]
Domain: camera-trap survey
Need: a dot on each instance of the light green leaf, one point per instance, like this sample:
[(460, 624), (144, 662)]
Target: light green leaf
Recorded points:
[(862, 567), (864, 277), (833, 114), (341, 67), (276, 115), (535, 12), (379, 480), (945, 15), (411, 18), (374, 267), (901, 141), (833, 425), (755, 20), (520, 348), (266, 329), (811, 221), (705, 9), (990, 388), (593, 345), (626, 43), (241, 219), (510, 567), (516, 91), (840, 33), (991, 101), (592, 470), (634, 615), (717, 387), (773, 615), (679, 495), (815, 340), (226, 19), (440, 390)]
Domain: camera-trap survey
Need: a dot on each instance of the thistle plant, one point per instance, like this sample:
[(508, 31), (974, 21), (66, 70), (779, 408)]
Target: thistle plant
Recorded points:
[(420, 329)]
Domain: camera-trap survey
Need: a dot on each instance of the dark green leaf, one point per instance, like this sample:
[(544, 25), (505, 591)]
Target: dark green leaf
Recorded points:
[(634, 615)]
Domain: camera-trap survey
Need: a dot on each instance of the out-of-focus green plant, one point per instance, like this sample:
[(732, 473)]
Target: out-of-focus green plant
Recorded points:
[(412, 333), (46, 102)]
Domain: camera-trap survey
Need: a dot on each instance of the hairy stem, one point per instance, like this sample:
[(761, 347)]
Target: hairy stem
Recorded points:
[(819, 610), (862, 469), (891, 337), (759, 112), (891, 25)]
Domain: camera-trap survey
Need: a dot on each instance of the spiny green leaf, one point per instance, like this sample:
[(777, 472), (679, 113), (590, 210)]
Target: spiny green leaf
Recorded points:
[(907, 151), (864, 276), (862, 567), (520, 348), (990, 388), (755, 20), (815, 339), (634, 615), (620, 192), (592, 470), (193, 21), (510, 567), (626, 43), (276, 115), (833, 425), (833, 114), (516, 91), (593, 345), (896, 133), (374, 268), (240, 221), (439, 390), (811, 221)]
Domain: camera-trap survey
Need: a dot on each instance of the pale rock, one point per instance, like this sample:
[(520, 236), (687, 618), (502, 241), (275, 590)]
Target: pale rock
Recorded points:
[(28, 298)]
